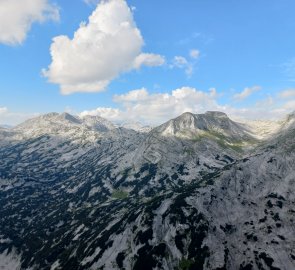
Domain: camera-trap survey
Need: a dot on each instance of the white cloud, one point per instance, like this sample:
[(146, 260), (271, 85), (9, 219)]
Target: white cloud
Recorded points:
[(91, 2), (107, 113), (287, 93), (17, 17), (289, 105), (148, 59), (267, 102), (182, 63), (140, 105), (194, 54), (108, 45), (156, 108), (3, 110), (8, 117), (248, 91), (134, 95)]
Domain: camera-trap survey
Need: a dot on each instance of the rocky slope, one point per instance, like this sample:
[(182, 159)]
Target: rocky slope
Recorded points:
[(198, 192)]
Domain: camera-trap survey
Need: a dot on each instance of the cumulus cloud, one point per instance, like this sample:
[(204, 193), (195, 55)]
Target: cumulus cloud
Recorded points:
[(267, 102), (17, 17), (156, 108), (140, 105), (289, 105), (183, 63), (101, 49), (194, 54), (105, 112), (180, 61), (8, 117), (287, 93), (132, 96), (148, 59), (248, 91)]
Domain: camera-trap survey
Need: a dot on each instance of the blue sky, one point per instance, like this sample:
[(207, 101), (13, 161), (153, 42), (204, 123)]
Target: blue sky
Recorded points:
[(234, 56)]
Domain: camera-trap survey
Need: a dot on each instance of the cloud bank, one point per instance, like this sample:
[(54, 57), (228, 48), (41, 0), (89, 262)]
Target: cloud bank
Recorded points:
[(289, 93), (248, 91), (3, 110), (17, 17), (101, 49), (156, 108), (8, 117)]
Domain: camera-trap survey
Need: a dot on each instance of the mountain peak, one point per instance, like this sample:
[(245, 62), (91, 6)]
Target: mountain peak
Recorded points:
[(50, 115), (70, 118), (186, 121), (291, 116), (58, 117), (216, 114), (48, 123), (136, 126), (190, 125), (187, 114), (5, 126), (213, 114), (98, 123)]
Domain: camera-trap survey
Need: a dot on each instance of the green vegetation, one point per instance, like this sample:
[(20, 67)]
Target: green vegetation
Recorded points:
[(185, 264), (222, 140), (120, 194), (213, 135)]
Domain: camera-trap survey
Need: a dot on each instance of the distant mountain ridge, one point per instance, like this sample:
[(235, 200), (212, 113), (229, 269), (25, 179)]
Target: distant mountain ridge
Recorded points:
[(198, 192), (5, 126)]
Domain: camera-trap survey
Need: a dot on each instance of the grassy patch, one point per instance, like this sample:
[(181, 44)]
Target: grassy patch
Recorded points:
[(120, 194), (185, 264), (222, 140)]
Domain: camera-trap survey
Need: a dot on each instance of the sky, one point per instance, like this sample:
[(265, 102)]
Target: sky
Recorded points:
[(146, 61)]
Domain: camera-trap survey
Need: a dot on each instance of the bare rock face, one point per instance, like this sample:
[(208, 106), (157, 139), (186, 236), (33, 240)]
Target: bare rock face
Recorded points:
[(198, 192)]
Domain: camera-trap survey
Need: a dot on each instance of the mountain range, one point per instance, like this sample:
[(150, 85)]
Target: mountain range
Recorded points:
[(200, 191)]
